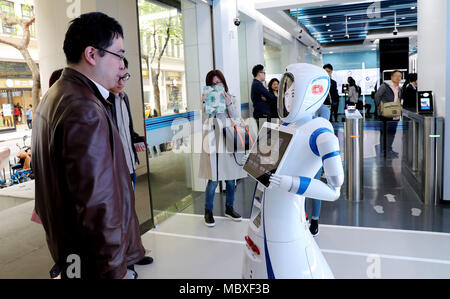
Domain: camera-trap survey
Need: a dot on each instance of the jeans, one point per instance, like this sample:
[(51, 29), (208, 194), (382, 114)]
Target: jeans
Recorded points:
[(316, 204), (211, 189), (389, 130), (334, 111), (133, 179)]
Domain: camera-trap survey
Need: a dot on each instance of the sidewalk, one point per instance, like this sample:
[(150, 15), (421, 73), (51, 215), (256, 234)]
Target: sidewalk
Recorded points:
[(16, 195), (21, 131)]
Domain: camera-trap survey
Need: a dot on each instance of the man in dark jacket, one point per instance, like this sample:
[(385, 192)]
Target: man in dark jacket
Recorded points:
[(261, 97), (333, 95), (83, 191)]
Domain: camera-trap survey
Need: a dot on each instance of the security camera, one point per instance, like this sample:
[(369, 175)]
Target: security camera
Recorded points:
[(395, 32), (237, 22), (346, 36)]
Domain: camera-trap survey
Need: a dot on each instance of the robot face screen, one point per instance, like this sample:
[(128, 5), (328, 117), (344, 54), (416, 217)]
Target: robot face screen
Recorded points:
[(287, 93)]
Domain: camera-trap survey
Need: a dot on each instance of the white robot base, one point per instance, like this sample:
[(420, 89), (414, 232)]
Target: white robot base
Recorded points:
[(282, 247)]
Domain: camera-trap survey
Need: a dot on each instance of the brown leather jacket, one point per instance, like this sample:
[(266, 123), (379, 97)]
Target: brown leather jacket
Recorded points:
[(83, 190)]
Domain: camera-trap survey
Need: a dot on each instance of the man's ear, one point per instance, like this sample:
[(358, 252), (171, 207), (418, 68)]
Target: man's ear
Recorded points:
[(90, 54)]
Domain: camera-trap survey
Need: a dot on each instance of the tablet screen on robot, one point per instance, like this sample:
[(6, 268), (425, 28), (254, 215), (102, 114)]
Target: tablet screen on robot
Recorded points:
[(267, 153)]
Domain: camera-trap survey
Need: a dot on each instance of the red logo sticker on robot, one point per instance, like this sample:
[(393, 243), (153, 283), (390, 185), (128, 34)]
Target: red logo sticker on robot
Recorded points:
[(317, 89)]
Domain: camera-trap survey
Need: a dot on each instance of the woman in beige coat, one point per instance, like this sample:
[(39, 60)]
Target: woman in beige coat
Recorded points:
[(215, 163)]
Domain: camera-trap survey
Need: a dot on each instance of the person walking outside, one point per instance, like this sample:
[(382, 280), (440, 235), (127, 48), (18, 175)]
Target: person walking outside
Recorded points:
[(30, 117)]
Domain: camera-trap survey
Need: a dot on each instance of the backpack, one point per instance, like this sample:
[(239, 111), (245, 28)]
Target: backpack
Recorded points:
[(358, 89)]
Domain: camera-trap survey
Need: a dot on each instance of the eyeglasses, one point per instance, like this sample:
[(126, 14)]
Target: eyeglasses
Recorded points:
[(263, 73), (115, 54), (125, 77)]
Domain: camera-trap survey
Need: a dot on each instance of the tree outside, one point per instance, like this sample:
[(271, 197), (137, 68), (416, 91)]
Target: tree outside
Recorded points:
[(161, 36), (21, 29)]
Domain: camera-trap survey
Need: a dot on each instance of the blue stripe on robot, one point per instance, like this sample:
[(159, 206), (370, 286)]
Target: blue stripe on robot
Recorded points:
[(304, 184), (331, 155), (313, 139)]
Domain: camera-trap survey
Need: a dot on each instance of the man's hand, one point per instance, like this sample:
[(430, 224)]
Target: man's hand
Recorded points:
[(283, 182), (263, 98)]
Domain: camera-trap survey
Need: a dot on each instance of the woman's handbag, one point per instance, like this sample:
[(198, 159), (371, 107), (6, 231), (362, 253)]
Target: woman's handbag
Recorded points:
[(390, 109), (238, 137)]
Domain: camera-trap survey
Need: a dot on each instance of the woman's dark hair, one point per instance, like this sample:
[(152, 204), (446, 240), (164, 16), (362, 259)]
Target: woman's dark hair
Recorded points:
[(351, 81), (55, 77), (257, 69), (271, 83), (210, 76), (91, 29)]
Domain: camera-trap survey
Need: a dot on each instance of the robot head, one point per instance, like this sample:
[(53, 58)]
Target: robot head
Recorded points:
[(303, 89)]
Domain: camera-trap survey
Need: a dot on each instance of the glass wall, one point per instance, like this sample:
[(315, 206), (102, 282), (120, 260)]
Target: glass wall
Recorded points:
[(163, 72), (161, 37)]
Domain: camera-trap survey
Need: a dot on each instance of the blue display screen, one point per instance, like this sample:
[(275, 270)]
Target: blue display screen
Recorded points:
[(425, 104)]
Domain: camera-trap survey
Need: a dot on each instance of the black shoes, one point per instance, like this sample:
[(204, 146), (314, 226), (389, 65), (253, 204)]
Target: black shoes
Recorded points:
[(314, 227), (209, 219), (131, 273), (392, 154), (230, 213), (147, 260)]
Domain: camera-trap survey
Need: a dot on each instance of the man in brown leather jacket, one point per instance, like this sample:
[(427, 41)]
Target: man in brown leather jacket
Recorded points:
[(83, 191)]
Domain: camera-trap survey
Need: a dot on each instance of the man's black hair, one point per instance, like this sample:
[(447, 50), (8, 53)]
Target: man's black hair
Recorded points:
[(125, 62), (396, 71), (91, 29), (257, 69), (328, 66)]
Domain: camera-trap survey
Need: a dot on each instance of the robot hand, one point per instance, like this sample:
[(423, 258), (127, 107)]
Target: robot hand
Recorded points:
[(244, 159), (283, 182)]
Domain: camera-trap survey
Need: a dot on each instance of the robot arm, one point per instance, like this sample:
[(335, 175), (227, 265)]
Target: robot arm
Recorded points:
[(306, 187), (328, 147)]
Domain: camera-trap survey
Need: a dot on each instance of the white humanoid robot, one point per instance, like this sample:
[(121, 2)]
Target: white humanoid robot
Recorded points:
[(279, 243)]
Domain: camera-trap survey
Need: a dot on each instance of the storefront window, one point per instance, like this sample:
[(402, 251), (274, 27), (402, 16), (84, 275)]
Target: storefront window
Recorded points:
[(8, 8)]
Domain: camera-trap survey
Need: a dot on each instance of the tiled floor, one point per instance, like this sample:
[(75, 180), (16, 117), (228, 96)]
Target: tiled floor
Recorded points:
[(183, 247)]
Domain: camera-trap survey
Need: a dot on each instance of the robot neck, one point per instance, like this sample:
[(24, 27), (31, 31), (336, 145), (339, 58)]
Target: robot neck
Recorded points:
[(304, 119)]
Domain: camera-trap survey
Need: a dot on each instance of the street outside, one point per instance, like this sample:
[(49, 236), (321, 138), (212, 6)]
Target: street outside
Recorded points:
[(10, 140)]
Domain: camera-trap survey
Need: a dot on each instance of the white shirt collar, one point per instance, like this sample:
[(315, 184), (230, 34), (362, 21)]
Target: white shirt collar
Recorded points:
[(103, 91)]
